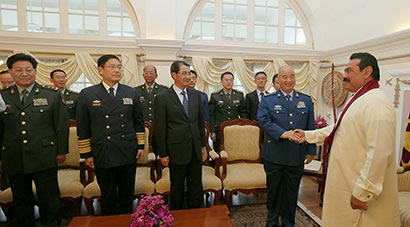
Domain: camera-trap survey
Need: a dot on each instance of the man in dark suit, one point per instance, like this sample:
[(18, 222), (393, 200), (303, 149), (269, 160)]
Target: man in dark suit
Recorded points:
[(59, 78), (33, 137), (111, 135), (283, 160), (225, 104), (253, 98), (179, 130), (204, 96), (148, 91)]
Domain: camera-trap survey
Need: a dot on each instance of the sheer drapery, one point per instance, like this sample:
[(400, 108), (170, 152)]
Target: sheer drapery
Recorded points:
[(209, 74), (83, 63)]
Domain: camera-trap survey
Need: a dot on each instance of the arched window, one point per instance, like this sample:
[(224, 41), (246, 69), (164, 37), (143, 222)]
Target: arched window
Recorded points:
[(276, 22), (73, 17)]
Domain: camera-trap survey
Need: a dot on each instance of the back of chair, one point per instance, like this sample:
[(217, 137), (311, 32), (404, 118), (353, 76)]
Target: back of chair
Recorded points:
[(205, 156), (241, 139), (148, 144), (403, 180), (72, 159)]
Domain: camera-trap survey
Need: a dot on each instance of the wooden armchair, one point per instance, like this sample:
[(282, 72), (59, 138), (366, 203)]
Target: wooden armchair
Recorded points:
[(241, 147), (211, 182), (144, 177)]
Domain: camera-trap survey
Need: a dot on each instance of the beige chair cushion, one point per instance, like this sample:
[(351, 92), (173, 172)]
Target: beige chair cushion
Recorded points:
[(6, 196), (69, 183), (163, 185), (209, 180), (403, 180), (143, 182), (144, 159), (247, 148), (404, 205), (73, 156), (245, 176)]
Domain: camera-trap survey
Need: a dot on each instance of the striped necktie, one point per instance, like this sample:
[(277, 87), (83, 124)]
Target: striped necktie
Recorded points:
[(185, 102)]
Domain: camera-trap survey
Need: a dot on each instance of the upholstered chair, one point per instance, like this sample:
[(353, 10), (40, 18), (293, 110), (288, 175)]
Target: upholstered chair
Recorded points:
[(241, 147), (403, 180)]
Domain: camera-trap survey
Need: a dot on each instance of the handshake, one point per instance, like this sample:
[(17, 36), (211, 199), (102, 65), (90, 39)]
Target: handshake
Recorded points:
[(297, 135)]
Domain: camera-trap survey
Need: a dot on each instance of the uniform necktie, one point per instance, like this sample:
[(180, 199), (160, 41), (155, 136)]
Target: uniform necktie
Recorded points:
[(149, 90), (288, 98), (24, 96), (260, 96), (111, 91), (185, 102)]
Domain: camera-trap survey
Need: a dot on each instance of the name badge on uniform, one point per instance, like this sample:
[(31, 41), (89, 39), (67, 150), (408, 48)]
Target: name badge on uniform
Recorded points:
[(69, 102), (40, 102), (301, 105), (96, 102), (127, 101), (220, 102), (236, 101), (278, 107), (141, 98)]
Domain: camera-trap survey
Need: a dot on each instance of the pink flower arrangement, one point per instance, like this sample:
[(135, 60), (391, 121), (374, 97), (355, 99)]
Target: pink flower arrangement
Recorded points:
[(152, 211), (320, 122)]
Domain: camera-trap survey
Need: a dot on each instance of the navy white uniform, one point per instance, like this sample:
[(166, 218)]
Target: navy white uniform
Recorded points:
[(111, 129), (284, 160)]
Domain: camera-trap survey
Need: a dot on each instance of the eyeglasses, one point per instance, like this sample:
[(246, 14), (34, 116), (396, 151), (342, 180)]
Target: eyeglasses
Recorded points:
[(149, 73), (21, 70), (185, 73), (112, 67)]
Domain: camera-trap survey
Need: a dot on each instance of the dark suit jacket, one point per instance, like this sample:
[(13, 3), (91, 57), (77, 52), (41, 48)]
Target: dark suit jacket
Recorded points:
[(179, 136), (110, 129), (252, 102), (275, 116), (205, 107), (33, 134)]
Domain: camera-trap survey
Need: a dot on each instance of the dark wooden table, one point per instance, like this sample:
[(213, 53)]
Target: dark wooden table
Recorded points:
[(215, 216)]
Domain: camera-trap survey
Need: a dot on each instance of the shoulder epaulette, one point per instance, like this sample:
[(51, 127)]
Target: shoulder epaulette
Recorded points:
[(237, 91), (50, 87)]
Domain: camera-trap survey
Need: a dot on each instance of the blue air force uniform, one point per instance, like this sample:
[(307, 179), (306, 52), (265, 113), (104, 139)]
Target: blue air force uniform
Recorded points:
[(284, 160), (111, 129)]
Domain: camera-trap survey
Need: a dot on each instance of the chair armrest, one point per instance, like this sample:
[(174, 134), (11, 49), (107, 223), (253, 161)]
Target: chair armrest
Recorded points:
[(151, 157), (214, 155), (152, 160), (400, 169), (224, 156), (158, 169), (85, 180)]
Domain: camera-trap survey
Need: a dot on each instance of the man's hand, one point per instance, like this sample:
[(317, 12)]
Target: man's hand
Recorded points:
[(140, 153), (357, 204), (290, 135), (213, 136), (301, 135), (165, 161), (61, 158), (309, 158), (203, 150), (90, 162)]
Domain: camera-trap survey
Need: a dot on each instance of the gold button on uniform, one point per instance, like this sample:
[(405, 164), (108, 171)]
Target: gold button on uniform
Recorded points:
[(149, 102), (291, 122), (268, 141), (229, 112), (23, 113), (121, 115), (107, 116), (23, 132), (108, 137), (52, 143), (229, 118), (24, 141), (123, 136), (122, 126), (150, 115), (229, 107), (290, 114), (149, 108), (150, 121), (107, 126), (41, 110), (23, 123)]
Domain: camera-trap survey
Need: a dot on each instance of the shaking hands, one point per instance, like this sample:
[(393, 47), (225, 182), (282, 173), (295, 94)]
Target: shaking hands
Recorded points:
[(297, 135)]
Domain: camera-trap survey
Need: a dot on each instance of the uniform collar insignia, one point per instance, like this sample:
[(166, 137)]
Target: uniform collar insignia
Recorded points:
[(37, 90), (12, 91), (156, 86), (67, 93), (297, 95), (278, 94)]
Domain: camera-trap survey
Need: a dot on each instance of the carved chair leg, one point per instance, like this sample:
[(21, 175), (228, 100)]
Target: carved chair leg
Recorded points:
[(217, 197), (228, 196), (89, 204)]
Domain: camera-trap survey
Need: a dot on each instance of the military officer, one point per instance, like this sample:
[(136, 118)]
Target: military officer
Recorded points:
[(148, 91), (283, 160), (226, 104), (34, 138), (111, 135), (59, 78)]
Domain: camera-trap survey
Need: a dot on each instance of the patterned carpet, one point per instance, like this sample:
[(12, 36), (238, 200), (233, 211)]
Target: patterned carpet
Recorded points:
[(254, 215)]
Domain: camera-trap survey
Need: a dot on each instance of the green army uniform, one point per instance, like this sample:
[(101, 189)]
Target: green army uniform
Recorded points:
[(70, 100), (147, 100), (32, 133), (224, 107)]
